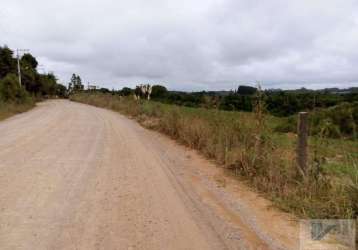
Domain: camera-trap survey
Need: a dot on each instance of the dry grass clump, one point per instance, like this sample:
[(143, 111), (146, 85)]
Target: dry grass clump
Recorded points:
[(10, 109), (246, 145)]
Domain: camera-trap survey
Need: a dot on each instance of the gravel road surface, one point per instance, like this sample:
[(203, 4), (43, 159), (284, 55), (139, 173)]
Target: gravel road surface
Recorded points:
[(73, 176)]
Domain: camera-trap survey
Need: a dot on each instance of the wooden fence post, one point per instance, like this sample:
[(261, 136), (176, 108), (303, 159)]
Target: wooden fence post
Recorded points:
[(302, 131)]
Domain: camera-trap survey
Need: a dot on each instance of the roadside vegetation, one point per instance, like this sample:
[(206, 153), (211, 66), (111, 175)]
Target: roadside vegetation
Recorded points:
[(249, 147), (340, 121), (35, 86), (9, 109), (336, 110)]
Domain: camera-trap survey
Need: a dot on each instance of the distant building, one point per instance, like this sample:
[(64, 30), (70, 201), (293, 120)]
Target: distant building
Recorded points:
[(91, 87)]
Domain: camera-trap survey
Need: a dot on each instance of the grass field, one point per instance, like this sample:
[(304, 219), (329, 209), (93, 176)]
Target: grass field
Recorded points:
[(246, 144)]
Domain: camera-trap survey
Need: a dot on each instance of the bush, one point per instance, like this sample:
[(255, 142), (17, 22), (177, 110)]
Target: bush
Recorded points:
[(158, 92), (333, 122), (11, 91), (61, 91)]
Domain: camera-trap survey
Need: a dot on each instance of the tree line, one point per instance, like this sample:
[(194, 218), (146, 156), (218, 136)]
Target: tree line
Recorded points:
[(33, 83), (333, 112), (281, 103)]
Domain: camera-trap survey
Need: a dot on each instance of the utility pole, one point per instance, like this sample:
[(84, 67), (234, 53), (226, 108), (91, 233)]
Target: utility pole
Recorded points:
[(302, 131), (18, 63)]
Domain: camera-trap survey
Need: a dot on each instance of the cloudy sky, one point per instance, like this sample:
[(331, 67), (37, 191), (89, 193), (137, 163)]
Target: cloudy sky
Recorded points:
[(187, 44)]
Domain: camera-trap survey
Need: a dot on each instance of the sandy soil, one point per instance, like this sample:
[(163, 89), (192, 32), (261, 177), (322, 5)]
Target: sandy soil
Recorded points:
[(74, 176)]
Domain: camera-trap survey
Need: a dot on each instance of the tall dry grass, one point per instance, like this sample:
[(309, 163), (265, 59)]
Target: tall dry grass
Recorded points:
[(246, 145), (10, 109)]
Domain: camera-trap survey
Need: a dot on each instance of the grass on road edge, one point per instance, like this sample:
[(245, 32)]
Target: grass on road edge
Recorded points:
[(9, 109)]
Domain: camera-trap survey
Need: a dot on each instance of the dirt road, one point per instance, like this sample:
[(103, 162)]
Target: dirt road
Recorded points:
[(74, 176)]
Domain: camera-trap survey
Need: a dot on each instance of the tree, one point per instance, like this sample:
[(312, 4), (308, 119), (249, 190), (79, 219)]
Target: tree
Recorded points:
[(104, 90), (28, 60), (126, 91), (246, 90), (61, 91), (31, 80), (48, 84), (7, 62), (10, 90), (138, 91), (159, 91), (236, 102), (75, 83)]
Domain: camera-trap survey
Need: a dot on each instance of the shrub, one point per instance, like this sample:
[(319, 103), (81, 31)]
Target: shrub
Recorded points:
[(333, 122), (11, 91)]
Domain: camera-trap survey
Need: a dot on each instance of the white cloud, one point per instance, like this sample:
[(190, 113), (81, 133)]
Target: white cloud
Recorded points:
[(203, 44)]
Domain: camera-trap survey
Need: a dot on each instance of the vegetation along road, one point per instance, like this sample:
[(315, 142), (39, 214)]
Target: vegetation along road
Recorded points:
[(73, 176)]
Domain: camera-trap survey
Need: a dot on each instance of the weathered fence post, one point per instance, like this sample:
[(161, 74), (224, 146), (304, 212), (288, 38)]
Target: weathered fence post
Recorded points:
[(302, 131)]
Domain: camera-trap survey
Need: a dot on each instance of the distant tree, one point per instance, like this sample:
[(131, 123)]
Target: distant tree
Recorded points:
[(138, 91), (236, 102), (72, 82), (10, 90), (61, 91), (75, 83), (159, 91), (7, 62), (32, 82), (28, 60), (143, 91), (104, 90), (31, 79), (246, 90), (126, 91), (48, 84)]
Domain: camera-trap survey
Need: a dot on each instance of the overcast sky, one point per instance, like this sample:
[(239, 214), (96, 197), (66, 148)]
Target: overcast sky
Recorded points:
[(189, 44)]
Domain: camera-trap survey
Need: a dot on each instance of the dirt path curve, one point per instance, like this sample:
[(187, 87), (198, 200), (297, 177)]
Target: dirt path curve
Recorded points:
[(74, 176)]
